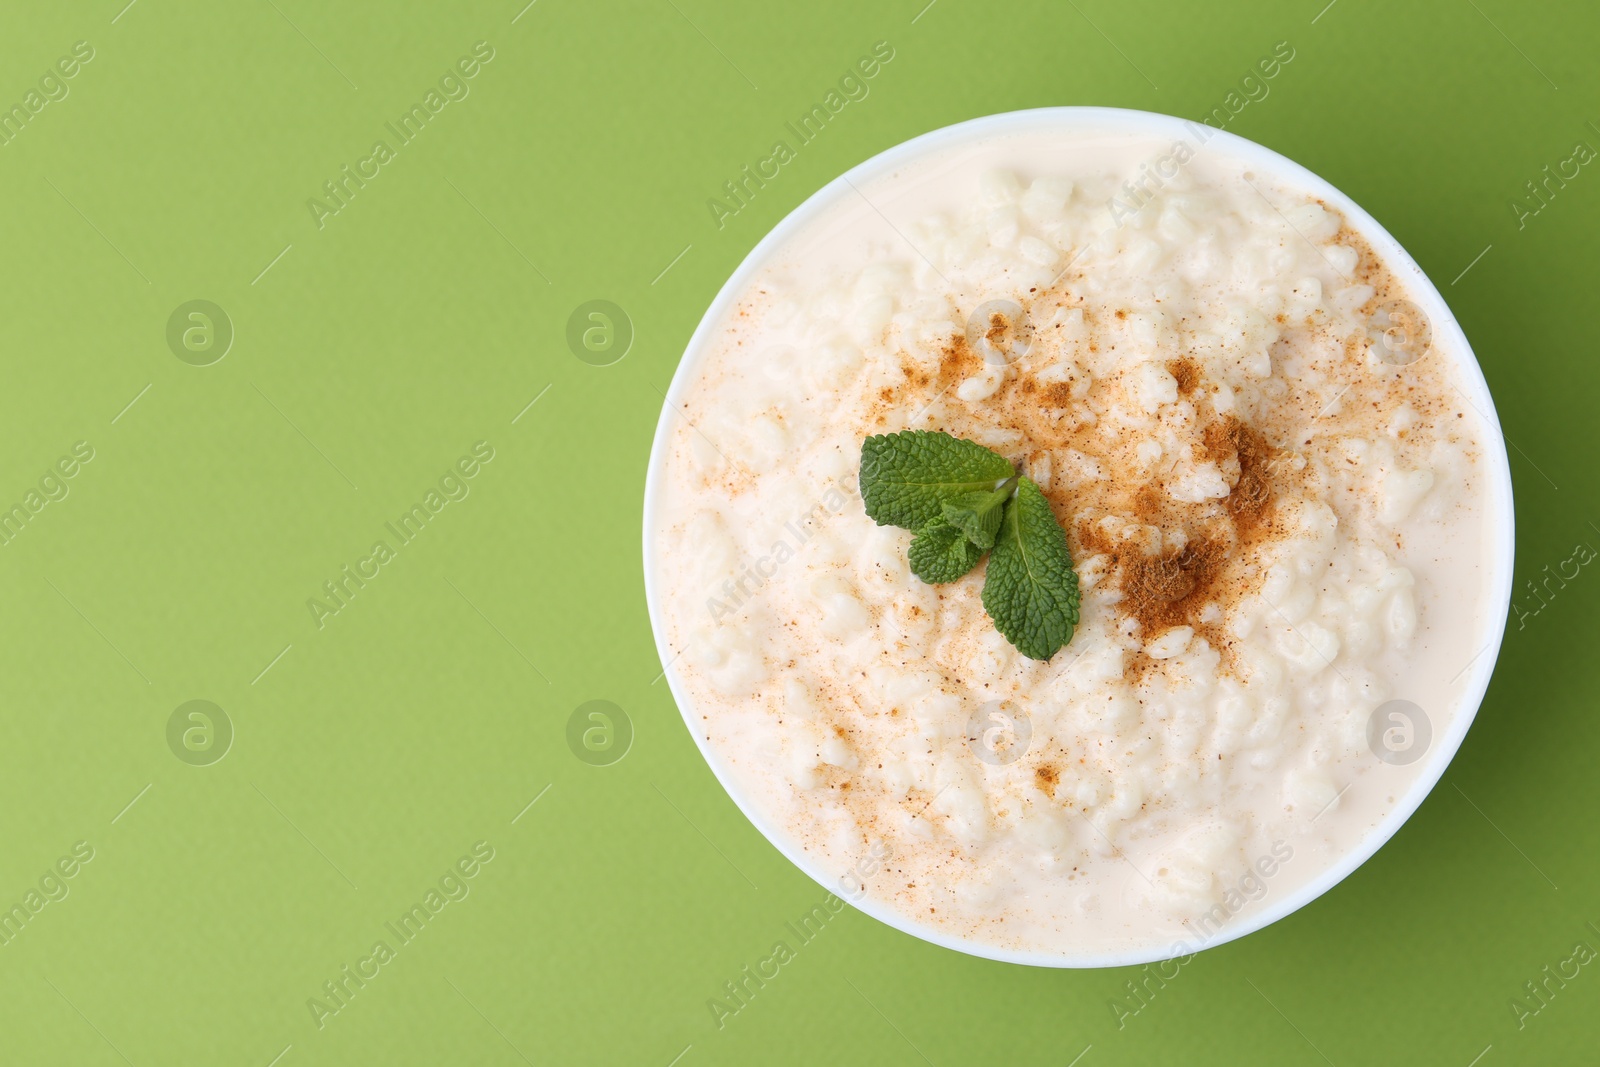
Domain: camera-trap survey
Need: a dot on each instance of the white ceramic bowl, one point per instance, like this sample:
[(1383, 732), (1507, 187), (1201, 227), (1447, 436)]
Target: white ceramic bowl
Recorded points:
[(1448, 338)]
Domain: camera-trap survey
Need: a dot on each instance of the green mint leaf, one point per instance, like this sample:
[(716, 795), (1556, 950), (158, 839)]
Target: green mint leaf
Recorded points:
[(978, 514), (1031, 590), (942, 553), (906, 477)]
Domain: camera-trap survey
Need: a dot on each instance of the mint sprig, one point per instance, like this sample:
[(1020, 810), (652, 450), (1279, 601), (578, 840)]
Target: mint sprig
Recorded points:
[(963, 500)]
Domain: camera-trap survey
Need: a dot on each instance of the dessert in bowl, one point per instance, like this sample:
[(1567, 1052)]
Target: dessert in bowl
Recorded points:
[(1274, 462)]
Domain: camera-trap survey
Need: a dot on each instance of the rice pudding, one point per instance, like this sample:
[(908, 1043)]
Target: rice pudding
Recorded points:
[(1277, 494)]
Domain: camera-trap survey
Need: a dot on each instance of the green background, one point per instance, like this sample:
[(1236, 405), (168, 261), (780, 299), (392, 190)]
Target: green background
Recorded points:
[(372, 753)]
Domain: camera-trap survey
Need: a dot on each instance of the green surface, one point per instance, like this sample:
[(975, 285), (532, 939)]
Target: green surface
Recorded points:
[(372, 753)]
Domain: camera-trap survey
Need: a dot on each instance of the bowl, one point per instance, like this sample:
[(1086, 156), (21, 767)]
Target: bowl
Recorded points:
[(1448, 338)]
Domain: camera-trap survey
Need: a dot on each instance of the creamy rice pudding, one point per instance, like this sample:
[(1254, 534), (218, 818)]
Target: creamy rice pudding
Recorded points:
[(1275, 490)]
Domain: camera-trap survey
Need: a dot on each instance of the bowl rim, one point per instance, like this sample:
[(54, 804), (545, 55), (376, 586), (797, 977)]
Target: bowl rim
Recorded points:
[(1499, 557)]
